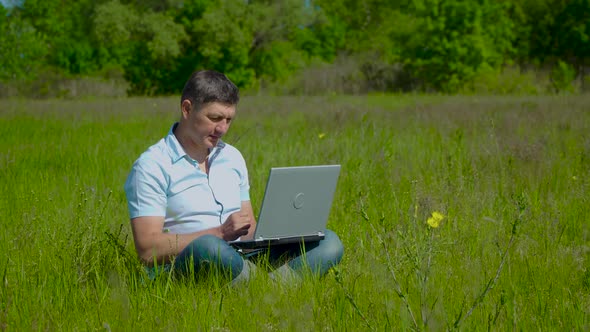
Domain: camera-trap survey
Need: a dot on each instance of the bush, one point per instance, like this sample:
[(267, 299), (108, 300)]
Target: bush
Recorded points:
[(507, 81), (51, 83), (585, 83), (342, 77), (562, 77), (347, 75)]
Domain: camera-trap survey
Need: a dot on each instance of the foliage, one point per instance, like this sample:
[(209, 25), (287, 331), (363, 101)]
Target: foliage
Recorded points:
[(223, 46), (64, 32), (552, 31), (257, 46), (145, 44), (572, 32), (562, 77), (21, 48), (458, 38), (408, 45), (507, 81)]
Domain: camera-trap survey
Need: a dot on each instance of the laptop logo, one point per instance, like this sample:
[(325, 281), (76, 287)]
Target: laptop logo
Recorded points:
[(298, 201)]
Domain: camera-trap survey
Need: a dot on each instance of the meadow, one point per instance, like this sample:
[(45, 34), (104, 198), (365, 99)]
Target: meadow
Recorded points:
[(510, 175)]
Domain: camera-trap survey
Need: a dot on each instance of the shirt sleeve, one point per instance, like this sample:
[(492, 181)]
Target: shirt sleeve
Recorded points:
[(146, 190), (244, 182)]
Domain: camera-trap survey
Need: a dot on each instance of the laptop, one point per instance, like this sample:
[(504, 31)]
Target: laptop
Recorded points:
[(295, 207)]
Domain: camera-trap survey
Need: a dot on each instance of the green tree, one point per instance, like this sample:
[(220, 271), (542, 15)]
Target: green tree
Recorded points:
[(457, 38), (145, 44), (190, 58), (533, 21), (274, 53), (225, 46), (258, 45), (375, 34), (21, 47), (65, 32), (571, 33), (553, 32), (434, 45), (322, 38), (369, 26)]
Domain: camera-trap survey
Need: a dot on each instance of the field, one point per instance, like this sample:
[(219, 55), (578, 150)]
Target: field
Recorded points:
[(510, 175)]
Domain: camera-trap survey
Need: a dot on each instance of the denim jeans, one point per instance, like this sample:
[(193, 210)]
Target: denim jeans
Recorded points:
[(211, 252)]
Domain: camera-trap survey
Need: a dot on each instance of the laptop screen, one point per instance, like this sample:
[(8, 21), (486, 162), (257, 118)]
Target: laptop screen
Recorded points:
[(297, 201)]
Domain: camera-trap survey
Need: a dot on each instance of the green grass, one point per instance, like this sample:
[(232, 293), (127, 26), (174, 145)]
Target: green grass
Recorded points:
[(510, 174)]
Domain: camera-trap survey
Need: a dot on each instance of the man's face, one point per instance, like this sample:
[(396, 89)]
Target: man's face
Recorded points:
[(209, 124)]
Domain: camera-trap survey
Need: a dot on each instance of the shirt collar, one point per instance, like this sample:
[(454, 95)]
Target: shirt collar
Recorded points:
[(176, 151), (215, 151)]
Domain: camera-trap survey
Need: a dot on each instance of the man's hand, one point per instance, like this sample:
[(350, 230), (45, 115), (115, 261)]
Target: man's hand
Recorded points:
[(235, 226)]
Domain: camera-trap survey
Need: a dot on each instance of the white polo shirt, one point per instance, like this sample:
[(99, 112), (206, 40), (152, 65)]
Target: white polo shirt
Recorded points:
[(166, 182)]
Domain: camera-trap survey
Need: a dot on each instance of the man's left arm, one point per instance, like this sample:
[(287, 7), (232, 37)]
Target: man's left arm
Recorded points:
[(248, 212)]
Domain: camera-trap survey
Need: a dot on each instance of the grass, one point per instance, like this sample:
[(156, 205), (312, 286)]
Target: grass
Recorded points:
[(510, 174)]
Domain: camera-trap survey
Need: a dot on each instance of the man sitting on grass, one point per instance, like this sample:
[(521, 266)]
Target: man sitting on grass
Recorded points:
[(188, 194)]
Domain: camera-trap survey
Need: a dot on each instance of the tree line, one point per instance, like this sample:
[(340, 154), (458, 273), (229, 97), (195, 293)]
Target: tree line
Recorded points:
[(405, 45)]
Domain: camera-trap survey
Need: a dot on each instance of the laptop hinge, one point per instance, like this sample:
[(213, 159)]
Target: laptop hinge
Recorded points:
[(267, 239)]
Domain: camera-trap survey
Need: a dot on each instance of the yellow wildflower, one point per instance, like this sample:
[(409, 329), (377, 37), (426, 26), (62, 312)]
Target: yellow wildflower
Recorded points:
[(435, 219), (321, 135), (574, 178)]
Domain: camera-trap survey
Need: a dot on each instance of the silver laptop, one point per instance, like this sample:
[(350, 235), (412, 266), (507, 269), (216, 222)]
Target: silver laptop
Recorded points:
[(296, 206)]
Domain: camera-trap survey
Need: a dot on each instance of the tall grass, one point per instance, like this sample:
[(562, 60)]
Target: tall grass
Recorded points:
[(510, 175)]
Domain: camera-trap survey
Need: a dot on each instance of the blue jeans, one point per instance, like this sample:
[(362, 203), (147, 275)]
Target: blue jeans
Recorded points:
[(211, 252)]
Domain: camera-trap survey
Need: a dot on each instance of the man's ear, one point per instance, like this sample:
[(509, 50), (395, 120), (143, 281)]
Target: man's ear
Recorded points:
[(186, 107)]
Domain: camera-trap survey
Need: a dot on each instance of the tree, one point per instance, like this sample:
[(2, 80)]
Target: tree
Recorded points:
[(64, 31), (571, 33), (258, 44), (145, 44), (457, 38), (21, 47), (369, 26)]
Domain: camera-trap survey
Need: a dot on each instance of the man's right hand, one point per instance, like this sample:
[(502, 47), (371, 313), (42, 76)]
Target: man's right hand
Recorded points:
[(236, 225)]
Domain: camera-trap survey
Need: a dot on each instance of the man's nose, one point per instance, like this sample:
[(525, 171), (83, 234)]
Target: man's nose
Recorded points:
[(222, 126)]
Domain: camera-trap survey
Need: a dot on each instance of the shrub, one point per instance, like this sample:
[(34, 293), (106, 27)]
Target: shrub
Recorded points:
[(562, 77), (507, 81)]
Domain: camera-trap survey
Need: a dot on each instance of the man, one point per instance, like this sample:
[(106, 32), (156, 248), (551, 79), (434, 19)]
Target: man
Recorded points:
[(188, 195)]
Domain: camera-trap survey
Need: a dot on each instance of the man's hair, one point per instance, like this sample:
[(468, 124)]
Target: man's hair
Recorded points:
[(209, 86)]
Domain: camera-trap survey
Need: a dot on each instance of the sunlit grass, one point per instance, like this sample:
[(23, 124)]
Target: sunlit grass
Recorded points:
[(508, 175)]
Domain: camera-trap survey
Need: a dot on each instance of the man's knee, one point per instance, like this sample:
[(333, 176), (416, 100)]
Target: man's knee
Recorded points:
[(332, 248), (207, 241), (211, 251), (208, 247)]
